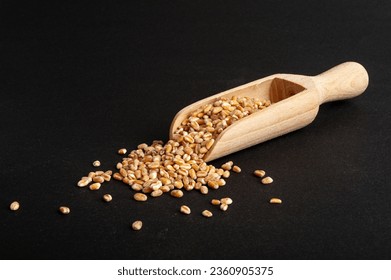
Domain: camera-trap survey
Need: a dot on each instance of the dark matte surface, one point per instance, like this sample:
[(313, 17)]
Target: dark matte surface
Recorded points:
[(79, 81)]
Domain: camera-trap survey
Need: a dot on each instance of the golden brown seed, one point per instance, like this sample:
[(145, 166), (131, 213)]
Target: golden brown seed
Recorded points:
[(178, 184), (213, 185), (201, 180), (226, 200), (182, 172), (96, 163), (137, 225), (165, 181), (109, 172), (179, 161), (137, 187), (156, 193), (168, 148), (155, 186), (140, 197), (117, 176), (207, 213), (152, 175), (215, 202), (169, 167), (147, 190), (140, 182), (227, 166), (185, 209), (165, 189), (192, 174), (223, 207), (176, 193), (86, 178), (98, 179), (236, 169), (14, 206), (91, 174), (189, 187), (185, 166), (122, 151), (207, 108), (210, 143), (64, 210), (267, 180), (198, 185), (188, 150), (208, 136), (259, 173), (84, 182), (98, 173), (137, 174), (95, 186), (221, 182), (204, 189), (142, 146), (275, 201), (106, 177), (195, 125), (202, 173), (189, 139), (123, 172), (154, 165), (226, 174), (107, 197), (217, 110)]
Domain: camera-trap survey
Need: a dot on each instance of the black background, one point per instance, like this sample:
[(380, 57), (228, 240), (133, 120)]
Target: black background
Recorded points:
[(81, 80)]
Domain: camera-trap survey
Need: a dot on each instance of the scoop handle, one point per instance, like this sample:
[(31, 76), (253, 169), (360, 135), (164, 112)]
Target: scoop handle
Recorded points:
[(344, 81)]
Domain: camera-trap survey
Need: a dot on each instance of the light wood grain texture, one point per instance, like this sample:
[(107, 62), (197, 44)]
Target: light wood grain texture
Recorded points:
[(295, 104)]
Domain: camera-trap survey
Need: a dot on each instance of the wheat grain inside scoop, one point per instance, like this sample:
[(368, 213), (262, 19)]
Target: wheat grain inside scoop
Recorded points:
[(274, 89)]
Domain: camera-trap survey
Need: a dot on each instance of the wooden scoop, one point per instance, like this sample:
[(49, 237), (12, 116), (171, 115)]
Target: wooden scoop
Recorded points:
[(295, 104)]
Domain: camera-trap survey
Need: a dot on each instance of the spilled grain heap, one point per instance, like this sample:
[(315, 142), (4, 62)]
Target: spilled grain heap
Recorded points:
[(152, 170), (178, 164)]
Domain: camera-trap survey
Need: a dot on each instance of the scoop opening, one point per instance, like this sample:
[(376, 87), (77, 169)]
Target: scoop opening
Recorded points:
[(281, 89)]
